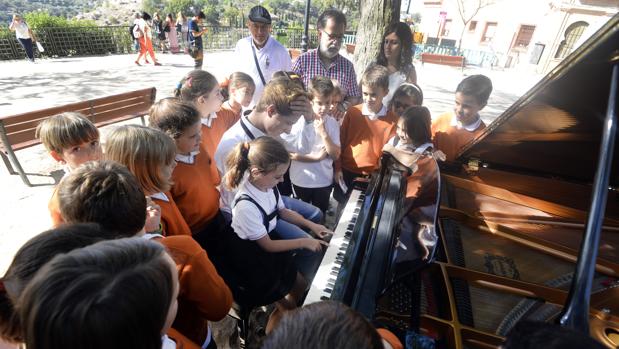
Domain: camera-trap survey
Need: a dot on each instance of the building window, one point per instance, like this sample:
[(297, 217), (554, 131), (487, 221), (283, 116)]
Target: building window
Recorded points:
[(472, 26), (446, 28), (489, 32), (524, 36), (572, 34)]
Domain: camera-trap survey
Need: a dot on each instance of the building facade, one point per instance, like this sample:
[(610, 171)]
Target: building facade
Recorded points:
[(525, 34)]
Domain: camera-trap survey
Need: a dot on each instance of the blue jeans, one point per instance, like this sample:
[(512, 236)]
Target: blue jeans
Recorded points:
[(307, 261)]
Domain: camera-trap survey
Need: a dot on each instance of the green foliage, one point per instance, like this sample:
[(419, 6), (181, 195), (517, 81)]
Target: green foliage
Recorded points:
[(60, 8), (42, 19)]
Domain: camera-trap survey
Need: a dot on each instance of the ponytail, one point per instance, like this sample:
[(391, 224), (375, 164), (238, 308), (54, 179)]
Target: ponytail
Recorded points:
[(237, 163), (10, 329)]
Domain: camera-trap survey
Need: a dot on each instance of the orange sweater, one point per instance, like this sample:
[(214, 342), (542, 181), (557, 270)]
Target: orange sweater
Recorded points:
[(450, 139), (363, 139), (195, 191), (172, 220), (203, 294), (211, 136), (182, 342), (54, 209)]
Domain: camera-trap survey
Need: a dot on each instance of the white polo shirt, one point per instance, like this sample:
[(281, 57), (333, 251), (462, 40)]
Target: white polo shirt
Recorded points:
[(271, 58), (21, 30)]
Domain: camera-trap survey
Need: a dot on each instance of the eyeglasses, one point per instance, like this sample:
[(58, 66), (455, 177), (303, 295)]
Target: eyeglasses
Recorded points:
[(334, 37)]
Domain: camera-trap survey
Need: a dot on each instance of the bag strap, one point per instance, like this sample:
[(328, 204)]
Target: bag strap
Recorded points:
[(247, 131), (253, 50)]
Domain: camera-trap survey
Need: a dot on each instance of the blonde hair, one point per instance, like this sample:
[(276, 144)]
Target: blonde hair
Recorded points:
[(263, 153), (144, 151), (280, 92), (173, 116), (375, 76), (66, 130)]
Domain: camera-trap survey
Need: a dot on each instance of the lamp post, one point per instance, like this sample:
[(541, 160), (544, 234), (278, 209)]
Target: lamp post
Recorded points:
[(305, 37)]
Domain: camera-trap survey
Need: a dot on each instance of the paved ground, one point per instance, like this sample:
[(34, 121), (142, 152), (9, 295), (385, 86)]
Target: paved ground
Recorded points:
[(25, 87)]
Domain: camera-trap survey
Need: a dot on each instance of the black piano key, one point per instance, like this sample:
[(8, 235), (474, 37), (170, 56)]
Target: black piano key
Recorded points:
[(334, 273), (328, 290), (324, 298)]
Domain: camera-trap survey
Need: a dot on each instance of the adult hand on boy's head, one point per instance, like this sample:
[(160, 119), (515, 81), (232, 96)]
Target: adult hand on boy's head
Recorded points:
[(301, 106)]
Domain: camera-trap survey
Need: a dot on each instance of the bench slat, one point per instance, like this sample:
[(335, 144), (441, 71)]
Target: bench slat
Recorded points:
[(43, 113), (127, 112)]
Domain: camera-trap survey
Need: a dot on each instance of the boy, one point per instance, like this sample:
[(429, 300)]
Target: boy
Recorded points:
[(121, 207), (453, 130), (312, 174), (366, 129), (71, 139)]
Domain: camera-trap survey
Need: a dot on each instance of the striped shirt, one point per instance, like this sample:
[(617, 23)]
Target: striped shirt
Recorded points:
[(341, 69)]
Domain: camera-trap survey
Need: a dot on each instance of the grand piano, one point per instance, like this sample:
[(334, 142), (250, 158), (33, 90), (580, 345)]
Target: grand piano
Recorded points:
[(515, 209)]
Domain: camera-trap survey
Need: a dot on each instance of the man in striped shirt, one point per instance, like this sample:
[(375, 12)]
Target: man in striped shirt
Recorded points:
[(327, 61)]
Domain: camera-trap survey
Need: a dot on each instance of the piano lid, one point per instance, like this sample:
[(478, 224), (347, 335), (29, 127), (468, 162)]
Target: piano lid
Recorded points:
[(554, 130)]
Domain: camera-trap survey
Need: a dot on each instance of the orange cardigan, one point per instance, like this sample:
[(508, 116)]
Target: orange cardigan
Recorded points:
[(195, 191), (449, 139), (54, 209), (182, 342), (211, 136), (363, 139), (203, 295), (172, 220)]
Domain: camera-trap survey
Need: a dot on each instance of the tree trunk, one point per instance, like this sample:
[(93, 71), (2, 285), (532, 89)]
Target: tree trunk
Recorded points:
[(376, 15)]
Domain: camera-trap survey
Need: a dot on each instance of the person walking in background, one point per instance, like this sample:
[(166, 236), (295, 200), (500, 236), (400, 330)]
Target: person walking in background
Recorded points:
[(196, 49), (24, 35), (181, 29), (170, 24), (159, 31), (145, 36)]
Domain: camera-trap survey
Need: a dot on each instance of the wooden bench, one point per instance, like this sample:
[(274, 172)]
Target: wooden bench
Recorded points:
[(455, 61), (18, 131)]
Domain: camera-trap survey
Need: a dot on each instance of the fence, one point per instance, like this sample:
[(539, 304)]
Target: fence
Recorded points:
[(87, 41)]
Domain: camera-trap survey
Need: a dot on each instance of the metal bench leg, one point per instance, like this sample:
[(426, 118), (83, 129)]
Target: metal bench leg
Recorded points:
[(7, 163), (13, 159)]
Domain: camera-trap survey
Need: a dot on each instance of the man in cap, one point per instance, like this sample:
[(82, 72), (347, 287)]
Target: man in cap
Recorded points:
[(260, 55)]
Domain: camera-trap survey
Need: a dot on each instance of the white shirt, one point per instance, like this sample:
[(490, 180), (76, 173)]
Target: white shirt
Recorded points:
[(236, 135), (317, 174), (247, 220), (144, 27), (271, 58), (371, 115), (21, 30), (395, 80), (470, 127), (230, 138)]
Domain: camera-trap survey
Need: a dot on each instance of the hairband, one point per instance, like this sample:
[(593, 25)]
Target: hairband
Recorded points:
[(179, 85), (413, 85)]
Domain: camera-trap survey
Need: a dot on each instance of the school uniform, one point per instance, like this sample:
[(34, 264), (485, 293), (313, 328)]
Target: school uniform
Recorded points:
[(449, 135), (267, 276), (213, 128), (313, 181), (172, 221)]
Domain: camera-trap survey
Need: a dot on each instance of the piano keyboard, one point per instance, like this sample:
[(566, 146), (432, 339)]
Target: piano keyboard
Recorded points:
[(327, 273)]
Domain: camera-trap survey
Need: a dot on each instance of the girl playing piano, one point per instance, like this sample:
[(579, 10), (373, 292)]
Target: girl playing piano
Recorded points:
[(257, 167)]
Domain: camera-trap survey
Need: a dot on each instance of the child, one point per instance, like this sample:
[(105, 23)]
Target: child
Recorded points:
[(405, 96), (337, 97), (238, 91), (412, 146), (201, 89), (127, 288), (312, 174), (326, 325), (195, 177), (204, 296), (71, 139), (149, 154), (453, 130), (366, 128), (257, 205)]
